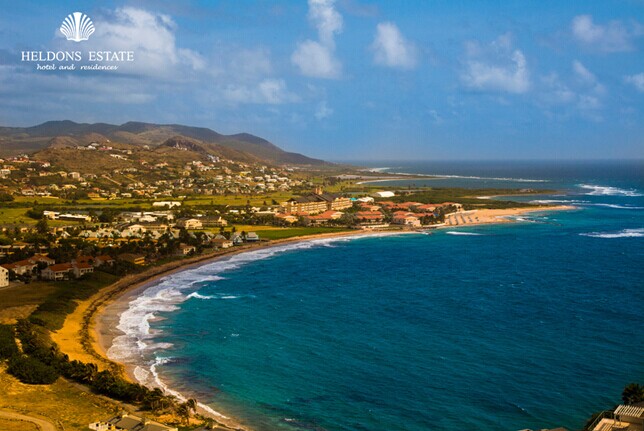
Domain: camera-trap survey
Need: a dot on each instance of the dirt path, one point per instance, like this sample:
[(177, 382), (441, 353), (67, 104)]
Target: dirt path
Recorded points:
[(42, 424)]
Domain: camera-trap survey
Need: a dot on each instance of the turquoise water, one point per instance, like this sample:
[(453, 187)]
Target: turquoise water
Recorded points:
[(535, 324)]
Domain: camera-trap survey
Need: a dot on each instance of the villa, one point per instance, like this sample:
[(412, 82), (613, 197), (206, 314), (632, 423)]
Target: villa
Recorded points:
[(407, 219), (325, 217), (57, 272), (222, 243), (128, 422), (21, 267), (189, 223), (623, 418), (252, 237), (185, 249), (136, 259)]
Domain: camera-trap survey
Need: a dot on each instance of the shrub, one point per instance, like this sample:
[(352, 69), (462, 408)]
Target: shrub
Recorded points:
[(31, 371), (8, 347)]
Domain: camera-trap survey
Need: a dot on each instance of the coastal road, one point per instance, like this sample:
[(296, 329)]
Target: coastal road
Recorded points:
[(42, 424)]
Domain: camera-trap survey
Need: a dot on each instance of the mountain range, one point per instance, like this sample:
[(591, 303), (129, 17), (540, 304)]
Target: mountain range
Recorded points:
[(61, 134)]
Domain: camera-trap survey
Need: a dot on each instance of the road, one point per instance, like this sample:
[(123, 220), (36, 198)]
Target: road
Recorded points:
[(40, 423)]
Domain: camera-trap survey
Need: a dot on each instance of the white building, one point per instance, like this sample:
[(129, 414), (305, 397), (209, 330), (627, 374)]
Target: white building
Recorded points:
[(168, 204), (4, 277), (384, 194)]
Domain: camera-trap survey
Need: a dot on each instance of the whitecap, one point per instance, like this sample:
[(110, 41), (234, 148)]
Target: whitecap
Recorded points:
[(198, 296), (452, 232), (624, 233), (474, 177), (608, 191), (152, 378), (558, 201), (620, 207)]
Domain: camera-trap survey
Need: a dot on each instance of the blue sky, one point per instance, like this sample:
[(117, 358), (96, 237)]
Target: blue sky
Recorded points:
[(350, 79)]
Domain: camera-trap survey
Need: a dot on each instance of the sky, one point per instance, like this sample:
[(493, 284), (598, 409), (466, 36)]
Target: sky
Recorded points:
[(349, 79)]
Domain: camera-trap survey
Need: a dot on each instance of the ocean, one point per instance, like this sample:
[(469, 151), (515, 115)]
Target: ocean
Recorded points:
[(528, 325)]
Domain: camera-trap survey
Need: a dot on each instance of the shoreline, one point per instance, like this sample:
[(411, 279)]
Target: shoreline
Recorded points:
[(89, 331)]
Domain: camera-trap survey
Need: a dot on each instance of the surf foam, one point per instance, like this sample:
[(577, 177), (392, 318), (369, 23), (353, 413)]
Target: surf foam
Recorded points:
[(624, 233), (608, 191)]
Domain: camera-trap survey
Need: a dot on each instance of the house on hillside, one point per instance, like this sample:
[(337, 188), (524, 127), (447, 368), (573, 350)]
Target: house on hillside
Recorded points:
[(81, 269), (103, 260), (222, 243), (186, 249), (406, 219), (214, 222), (252, 237), (325, 217), (57, 272), (21, 267), (129, 422), (369, 217), (237, 239), (136, 259), (41, 258), (288, 218), (189, 223), (624, 417)]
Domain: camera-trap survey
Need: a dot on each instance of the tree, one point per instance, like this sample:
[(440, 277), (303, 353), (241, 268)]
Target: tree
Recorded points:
[(192, 404), (633, 393), (184, 413), (42, 227)]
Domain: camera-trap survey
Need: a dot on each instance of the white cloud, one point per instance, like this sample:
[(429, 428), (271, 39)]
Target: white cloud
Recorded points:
[(326, 19), (267, 91), (555, 91), (251, 62), (152, 38), (323, 111), (636, 80), (587, 79), (582, 95), (611, 37), (582, 73), (496, 67), (392, 49), (317, 58)]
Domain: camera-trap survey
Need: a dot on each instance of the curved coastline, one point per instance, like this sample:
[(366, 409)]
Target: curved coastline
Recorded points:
[(88, 333)]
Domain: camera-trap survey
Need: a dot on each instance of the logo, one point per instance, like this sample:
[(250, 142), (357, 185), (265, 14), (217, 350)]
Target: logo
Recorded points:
[(77, 27)]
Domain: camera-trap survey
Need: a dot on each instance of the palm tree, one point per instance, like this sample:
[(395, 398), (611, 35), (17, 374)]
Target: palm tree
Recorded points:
[(192, 404), (633, 393), (184, 413)]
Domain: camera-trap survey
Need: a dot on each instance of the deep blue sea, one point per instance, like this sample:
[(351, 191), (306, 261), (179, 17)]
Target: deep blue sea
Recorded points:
[(530, 325)]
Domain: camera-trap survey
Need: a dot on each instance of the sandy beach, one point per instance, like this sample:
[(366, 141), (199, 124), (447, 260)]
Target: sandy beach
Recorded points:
[(487, 216), (88, 332)]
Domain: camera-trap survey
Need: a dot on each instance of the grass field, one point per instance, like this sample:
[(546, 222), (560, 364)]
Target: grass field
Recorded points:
[(6, 424), (19, 294), (15, 216), (282, 233), (61, 402)]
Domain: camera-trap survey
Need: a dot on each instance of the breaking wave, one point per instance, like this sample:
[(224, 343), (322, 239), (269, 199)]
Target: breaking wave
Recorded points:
[(136, 347), (624, 233), (608, 191), (453, 232)]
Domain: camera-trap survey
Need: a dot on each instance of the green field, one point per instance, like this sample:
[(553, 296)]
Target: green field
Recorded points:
[(15, 216), (298, 231)]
